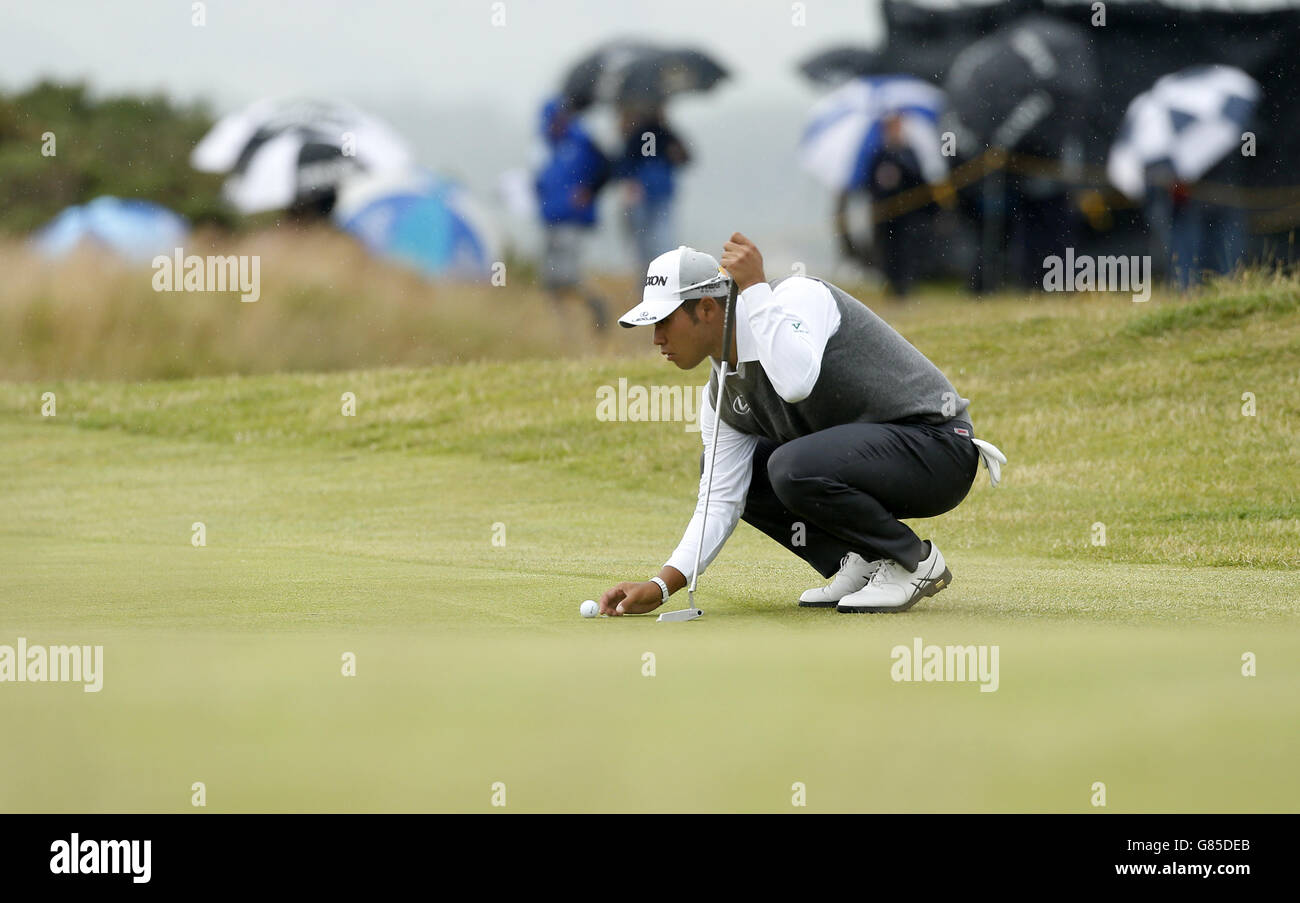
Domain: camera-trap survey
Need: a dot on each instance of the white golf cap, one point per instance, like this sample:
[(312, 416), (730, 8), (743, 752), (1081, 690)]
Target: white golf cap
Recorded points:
[(674, 277)]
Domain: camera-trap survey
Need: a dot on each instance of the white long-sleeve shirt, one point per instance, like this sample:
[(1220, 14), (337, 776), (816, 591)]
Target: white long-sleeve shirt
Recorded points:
[(785, 330)]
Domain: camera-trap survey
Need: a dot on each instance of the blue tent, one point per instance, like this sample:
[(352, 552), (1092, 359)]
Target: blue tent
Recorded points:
[(135, 230), (415, 218)]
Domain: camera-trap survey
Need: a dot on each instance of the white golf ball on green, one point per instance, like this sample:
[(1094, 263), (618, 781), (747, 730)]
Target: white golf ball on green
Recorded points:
[(589, 609)]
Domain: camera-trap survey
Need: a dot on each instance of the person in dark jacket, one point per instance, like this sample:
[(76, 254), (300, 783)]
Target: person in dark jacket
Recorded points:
[(897, 169), (651, 156), (1192, 234)]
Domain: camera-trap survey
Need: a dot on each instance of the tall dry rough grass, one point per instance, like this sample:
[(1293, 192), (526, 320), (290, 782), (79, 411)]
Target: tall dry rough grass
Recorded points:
[(325, 305)]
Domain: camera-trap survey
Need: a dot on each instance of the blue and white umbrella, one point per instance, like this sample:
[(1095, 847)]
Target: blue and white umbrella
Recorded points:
[(134, 230), (846, 129), (429, 224), (1189, 121)]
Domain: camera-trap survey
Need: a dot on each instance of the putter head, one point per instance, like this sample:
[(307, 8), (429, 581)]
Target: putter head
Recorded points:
[(685, 614)]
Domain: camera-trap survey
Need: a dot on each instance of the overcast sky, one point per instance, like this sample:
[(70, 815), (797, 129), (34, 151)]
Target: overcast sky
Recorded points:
[(466, 91), (438, 49)]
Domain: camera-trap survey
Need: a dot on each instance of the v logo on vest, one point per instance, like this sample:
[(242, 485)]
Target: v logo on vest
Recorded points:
[(739, 405)]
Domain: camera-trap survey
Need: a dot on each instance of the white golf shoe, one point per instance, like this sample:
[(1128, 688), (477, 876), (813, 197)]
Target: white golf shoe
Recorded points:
[(894, 588), (853, 574)]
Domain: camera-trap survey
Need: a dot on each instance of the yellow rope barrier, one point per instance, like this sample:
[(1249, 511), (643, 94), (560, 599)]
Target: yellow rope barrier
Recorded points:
[(1276, 209)]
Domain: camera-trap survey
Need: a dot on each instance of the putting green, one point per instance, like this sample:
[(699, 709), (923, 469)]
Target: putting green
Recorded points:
[(446, 535)]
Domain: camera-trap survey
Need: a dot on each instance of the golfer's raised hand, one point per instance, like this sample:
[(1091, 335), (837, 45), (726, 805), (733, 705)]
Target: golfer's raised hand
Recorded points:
[(741, 259), (631, 598)]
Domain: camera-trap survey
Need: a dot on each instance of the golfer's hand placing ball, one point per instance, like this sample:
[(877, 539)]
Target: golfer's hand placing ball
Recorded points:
[(631, 598), (741, 259)]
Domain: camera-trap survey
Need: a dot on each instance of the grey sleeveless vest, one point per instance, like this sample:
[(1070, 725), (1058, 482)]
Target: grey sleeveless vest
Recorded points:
[(869, 374)]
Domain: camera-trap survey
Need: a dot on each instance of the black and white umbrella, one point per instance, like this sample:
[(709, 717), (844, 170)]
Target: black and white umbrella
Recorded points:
[(1187, 122), (1027, 86), (282, 153)]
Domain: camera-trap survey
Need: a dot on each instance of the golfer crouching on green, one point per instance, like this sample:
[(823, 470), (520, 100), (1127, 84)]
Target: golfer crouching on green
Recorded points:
[(832, 428)]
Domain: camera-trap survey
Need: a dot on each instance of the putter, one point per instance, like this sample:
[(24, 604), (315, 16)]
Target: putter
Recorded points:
[(728, 329)]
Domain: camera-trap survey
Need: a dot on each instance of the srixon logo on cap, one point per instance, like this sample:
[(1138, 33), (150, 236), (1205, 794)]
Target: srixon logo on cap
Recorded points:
[(656, 280)]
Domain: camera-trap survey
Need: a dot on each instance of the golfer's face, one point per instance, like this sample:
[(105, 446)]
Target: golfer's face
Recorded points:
[(681, 340)]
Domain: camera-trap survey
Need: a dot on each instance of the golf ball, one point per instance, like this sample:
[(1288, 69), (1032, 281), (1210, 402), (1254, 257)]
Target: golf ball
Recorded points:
[(588, 609)]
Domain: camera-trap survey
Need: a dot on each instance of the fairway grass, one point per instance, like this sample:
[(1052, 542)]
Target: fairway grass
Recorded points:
[(374, 535)]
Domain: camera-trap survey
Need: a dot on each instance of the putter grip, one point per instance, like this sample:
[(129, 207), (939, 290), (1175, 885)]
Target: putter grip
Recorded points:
[(728, 321)]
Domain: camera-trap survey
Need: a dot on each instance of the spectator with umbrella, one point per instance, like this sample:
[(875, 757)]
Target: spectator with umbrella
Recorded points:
[(567, 186), (638, 78), (879, 135), (1024, 90), (1182, 133)]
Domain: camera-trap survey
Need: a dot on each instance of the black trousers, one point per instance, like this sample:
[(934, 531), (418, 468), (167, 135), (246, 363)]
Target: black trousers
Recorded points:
[(844, 489)]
